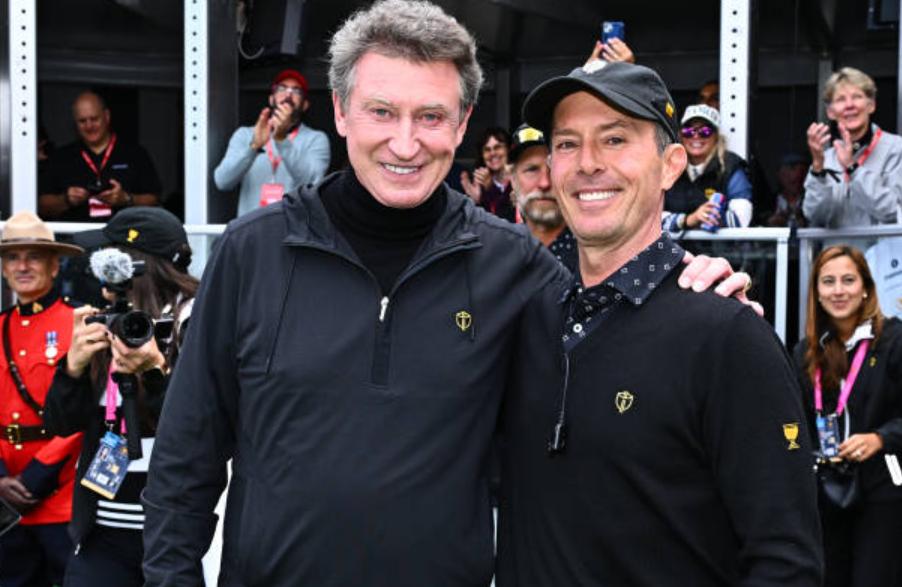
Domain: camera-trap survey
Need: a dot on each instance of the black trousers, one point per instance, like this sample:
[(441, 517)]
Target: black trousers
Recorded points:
[(34, 556), (107, 556), (861, 545)]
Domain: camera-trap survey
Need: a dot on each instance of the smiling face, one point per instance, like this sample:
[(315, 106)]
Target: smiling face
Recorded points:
[(92, 120), (30, 272), (851, 108), (840, 289), (494, 153), (608, 173), (403, 123), (698, 146)]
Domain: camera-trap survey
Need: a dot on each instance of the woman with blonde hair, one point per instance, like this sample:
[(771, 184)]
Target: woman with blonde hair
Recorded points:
[(850, 370), (689, 204)]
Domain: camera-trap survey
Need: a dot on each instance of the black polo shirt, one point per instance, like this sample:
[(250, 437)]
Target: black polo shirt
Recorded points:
[(686, 458), (129, 164)]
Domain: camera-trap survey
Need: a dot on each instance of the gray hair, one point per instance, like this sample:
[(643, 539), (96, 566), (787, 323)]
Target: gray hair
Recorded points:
[(415, 30), (662, 138), (852, 76)]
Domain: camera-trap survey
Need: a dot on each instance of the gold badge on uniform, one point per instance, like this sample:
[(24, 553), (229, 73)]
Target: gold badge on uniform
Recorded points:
[(132, 235), (791, 433), (873, 361), (624, 401), (464, 320)]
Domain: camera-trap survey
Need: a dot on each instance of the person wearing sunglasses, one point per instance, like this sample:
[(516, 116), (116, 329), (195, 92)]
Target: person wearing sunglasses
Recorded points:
[(279, 153), (711, 169)]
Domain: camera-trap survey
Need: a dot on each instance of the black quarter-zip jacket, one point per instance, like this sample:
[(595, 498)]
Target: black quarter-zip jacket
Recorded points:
[(358, 423)]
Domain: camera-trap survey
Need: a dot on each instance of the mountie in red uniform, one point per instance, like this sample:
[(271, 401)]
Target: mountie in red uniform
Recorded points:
[(39, 335)]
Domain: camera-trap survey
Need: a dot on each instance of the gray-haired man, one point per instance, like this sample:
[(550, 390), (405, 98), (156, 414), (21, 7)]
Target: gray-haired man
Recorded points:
[(349, 347)]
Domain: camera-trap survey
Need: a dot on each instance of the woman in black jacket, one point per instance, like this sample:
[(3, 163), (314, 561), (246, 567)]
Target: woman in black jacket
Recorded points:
[(850, 368), (114, 393)]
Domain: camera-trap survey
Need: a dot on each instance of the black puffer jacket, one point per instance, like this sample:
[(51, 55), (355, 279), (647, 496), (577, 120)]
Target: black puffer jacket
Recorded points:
[(359, 426)]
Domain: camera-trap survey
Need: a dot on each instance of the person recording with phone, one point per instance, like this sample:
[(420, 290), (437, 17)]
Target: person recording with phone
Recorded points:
[(856, 172), (277, 155), (99, 174), (112, 383)]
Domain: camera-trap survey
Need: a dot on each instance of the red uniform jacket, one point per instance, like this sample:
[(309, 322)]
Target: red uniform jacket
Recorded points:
[(40, 334)]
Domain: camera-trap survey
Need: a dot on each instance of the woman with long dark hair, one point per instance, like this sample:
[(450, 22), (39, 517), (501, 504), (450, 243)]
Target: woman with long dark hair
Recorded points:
[(850, 368), (490, 185), (111, 387)]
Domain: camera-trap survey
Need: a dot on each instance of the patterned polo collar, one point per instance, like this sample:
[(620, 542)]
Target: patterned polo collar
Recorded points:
[(634, 282)]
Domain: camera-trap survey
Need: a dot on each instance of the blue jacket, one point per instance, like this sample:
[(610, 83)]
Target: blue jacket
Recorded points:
[(359, 426)]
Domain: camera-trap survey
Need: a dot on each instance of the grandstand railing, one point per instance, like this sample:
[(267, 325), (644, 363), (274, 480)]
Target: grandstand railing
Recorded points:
[(809, 240)]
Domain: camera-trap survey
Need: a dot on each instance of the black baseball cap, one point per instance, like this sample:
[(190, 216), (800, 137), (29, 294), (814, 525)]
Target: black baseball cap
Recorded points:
[(633, 89), (149, 229), (523, 138)]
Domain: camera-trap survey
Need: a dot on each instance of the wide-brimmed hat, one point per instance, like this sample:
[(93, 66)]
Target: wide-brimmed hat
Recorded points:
[(24, 230)]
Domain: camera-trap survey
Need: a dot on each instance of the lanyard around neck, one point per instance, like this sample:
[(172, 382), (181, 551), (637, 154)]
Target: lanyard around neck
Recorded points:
[(274, 160), (847, 384), (104, 161)]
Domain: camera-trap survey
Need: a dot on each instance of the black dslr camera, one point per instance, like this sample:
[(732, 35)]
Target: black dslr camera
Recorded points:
[(115, 270)]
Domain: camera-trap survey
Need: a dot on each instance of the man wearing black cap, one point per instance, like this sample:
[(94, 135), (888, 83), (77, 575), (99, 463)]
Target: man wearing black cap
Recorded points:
[(279, 153), (535, 202), (656, 436)]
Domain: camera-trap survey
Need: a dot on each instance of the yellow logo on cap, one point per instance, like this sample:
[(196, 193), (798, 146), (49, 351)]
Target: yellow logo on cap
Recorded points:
[(668, 108), (529, 134), (132, 235)]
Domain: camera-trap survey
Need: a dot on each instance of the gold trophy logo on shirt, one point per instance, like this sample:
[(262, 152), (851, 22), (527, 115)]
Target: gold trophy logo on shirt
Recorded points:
[(791, 433), (464, 320), (623, 401)]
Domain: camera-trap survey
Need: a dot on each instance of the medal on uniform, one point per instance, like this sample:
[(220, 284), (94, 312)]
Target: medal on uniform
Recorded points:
[(51, 344)]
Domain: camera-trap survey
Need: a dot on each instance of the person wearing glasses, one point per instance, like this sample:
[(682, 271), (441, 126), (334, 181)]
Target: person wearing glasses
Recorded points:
[(854, 179), (712, 169), (279, 153)]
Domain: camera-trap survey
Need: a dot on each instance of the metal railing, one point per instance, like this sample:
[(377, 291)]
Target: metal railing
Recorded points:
[(809, 240)]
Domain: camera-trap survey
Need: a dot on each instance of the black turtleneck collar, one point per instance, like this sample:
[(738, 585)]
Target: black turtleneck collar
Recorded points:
[(864, 141), (40, 304), (384, 238)]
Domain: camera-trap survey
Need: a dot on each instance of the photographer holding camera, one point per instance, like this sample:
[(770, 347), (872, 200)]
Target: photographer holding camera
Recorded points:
[(100, 173), (111, 386)]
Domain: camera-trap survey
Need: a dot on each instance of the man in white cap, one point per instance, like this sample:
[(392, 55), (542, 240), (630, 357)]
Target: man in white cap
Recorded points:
[(36, 470)]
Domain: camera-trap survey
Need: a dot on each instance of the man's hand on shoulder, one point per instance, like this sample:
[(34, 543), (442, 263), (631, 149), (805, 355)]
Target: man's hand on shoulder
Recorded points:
[(703, 271)]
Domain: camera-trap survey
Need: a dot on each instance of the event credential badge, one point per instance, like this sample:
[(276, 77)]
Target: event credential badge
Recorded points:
[(828, 434), (108, 469)]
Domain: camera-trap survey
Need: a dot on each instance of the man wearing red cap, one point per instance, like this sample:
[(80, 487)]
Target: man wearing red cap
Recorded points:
[(278, 154)]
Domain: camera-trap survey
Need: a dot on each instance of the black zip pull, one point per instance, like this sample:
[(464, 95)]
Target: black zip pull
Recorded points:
[(559, 433)]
